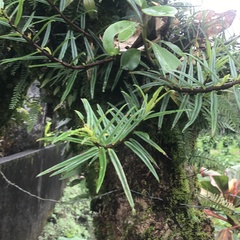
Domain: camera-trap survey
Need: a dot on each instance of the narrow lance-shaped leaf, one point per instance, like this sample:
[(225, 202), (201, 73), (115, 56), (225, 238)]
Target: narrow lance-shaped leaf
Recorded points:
[(122, 177), (184, 102), (91, 117), (233, 68), (76, 160), (236, 91), (19, 12), (73, 48), (145, 137), (160, 11), (163, 107), (213, 110), (197, 108), (46, 36), (64, 45), (103, 166), (106, 76), (93, 80), (142, 154), (69, 85)]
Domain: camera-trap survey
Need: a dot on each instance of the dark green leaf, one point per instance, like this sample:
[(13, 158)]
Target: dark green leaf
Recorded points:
[(130, 59)]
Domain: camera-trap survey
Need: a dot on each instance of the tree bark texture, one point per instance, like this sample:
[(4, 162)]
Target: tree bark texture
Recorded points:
[(168, 209)]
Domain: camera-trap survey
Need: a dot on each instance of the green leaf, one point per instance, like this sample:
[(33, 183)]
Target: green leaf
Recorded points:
[(141, 3), (125, 29), (183, 105), (236, 91), (93, 80), (160, 11), (106, 76), (143, 155), (174, 47), (19, 12), (71, 163), (163, 107), (145, 137), (166, 59), (213, 111), (103, 166), (130, 59), (197, 108), (69, 86), (46, 36), (73, 48), (64, 4), (64, 45), (136, 10), (122, 177), (233, 68), (209, 187), (222, 182)]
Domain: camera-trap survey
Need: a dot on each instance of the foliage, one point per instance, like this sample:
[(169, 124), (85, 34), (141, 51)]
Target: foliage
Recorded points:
[(101, 135), (76, 59), (71, 218), (221, 192)]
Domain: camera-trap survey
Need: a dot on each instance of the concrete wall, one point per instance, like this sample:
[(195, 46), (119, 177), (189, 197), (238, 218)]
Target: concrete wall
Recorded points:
[(22, 217)]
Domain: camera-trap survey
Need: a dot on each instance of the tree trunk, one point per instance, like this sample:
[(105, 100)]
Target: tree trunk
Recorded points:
[(165, 210)]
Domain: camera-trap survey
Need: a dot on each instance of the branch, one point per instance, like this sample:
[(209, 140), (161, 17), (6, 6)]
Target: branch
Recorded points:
[(67, 20), (206, 90), (54, 59)]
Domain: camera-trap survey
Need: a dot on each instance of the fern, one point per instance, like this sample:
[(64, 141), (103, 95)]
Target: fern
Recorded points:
[(19, 89)]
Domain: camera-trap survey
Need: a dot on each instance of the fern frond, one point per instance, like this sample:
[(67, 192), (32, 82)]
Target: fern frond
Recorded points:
[(19, 89)]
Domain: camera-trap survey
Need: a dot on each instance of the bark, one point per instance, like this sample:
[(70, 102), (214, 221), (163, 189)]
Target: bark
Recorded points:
[(168, 209)]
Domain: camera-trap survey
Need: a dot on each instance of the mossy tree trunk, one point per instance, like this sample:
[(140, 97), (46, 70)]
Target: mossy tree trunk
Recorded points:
[(168, 209)]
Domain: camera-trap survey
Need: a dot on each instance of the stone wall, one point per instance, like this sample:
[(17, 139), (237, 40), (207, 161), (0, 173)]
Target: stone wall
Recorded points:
[(22, 216)]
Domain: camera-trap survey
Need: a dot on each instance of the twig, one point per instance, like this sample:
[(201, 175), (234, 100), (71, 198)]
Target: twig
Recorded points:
[(28, 193)]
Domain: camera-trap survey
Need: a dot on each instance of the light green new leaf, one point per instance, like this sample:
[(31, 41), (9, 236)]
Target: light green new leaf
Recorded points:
[(122, 177), (213, 111), (160, 11), (197, 108), (91, 117), (141, 152), (166, 59), (19, 12), (130, 59), (103, 166), (125, 29)]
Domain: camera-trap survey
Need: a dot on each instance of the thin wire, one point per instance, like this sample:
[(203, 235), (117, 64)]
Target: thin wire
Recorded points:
[(28, 193)]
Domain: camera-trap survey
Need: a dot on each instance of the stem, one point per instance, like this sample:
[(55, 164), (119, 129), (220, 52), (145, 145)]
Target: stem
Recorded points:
[(144, 36)]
